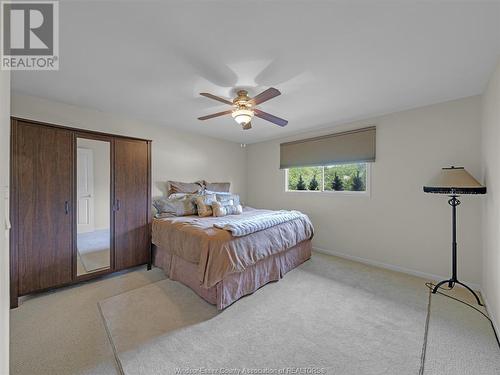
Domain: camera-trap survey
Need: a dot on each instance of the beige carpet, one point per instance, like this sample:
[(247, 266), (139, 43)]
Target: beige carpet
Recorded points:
[(460, 340), (61, 332), (137, 316), (95, 260), (93, 249), (329, 314)]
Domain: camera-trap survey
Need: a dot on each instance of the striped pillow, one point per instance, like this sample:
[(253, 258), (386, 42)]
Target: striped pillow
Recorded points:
[(225, 197), (221, 209)]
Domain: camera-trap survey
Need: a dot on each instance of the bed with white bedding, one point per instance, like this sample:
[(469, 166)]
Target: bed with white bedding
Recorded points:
[(225, 258)]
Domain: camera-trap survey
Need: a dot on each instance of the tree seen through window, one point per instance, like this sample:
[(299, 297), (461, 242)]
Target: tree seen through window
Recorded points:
[(341, 177)]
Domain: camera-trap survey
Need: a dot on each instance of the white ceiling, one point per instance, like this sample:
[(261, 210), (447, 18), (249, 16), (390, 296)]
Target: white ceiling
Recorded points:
[(332, 61)]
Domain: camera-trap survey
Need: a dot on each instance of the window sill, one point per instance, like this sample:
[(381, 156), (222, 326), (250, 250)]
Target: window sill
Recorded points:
[(332, 193)]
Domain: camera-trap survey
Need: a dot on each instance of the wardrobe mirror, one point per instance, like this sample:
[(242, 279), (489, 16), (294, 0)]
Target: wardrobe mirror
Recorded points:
[(93, 197)]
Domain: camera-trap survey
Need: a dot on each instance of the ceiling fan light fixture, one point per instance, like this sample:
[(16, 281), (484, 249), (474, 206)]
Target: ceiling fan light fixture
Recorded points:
[(244, 108), (242, 116)]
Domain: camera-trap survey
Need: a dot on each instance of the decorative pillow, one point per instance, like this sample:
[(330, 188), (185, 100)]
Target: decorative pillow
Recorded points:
[(204, 204), (218, 186), (185, 187), (225, 197), (181, 206), (220, 209)]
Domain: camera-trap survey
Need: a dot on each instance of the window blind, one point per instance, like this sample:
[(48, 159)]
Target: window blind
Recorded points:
[(354, 146)]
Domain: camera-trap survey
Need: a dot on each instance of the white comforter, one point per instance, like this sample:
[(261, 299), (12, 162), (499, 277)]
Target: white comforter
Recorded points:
[(257, 223)]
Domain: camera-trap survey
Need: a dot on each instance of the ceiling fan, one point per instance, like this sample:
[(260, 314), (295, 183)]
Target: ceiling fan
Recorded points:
[(244, 108)]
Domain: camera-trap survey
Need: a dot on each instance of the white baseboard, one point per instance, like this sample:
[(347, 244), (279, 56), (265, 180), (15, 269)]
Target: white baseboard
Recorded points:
[(391, 267)]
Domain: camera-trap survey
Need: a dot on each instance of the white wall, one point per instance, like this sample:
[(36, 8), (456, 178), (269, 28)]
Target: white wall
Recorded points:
[(176, 155), (4, 252), (398, 225), (491, 205)]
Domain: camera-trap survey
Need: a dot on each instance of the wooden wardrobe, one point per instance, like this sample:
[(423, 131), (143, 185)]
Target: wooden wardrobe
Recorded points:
[(43, 210)]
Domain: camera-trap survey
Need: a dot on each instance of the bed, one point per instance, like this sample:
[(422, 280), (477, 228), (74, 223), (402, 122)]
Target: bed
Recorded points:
[(220, 267)]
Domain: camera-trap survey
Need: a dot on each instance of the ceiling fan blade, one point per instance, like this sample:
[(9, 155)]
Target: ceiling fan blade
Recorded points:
[(216, 115), (269, 117), (247, 126), (265, 95), (211, 96)]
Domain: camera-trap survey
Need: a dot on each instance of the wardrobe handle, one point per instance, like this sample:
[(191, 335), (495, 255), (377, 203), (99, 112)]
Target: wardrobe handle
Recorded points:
[(66, 207), (117, 205)]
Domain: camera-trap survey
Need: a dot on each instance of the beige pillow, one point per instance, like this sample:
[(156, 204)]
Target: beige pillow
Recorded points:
[(175, 187), (222, 187), (204, 204)]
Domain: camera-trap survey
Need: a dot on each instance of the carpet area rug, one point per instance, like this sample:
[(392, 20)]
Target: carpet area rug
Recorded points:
[(328, 316), (95, 261), (138, 316), (93, 249), (460, 340)]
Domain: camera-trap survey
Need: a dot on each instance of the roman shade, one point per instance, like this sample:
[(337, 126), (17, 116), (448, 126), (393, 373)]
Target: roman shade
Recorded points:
[(354, 146)]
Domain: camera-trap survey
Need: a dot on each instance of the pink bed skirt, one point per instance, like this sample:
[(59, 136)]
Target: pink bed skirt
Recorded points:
[(235, 285)]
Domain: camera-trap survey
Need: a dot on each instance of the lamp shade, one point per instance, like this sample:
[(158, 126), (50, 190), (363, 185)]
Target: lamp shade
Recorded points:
[(454, 180)]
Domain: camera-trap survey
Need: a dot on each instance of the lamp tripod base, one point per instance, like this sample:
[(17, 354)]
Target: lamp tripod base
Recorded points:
[(451, 283), (454, 202)]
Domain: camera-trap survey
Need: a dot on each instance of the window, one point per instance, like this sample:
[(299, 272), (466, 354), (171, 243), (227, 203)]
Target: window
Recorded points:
[(331, 178)]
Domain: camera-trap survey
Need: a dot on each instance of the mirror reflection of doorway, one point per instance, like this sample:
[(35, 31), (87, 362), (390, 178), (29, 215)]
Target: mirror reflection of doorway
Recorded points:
[(93, 206)]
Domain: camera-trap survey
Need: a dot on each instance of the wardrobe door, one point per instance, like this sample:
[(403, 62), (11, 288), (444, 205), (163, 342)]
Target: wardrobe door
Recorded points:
[(43, 187), (132, 201)]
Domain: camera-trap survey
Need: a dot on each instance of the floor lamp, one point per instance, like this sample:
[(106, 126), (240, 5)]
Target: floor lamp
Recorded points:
[(454, 181)]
